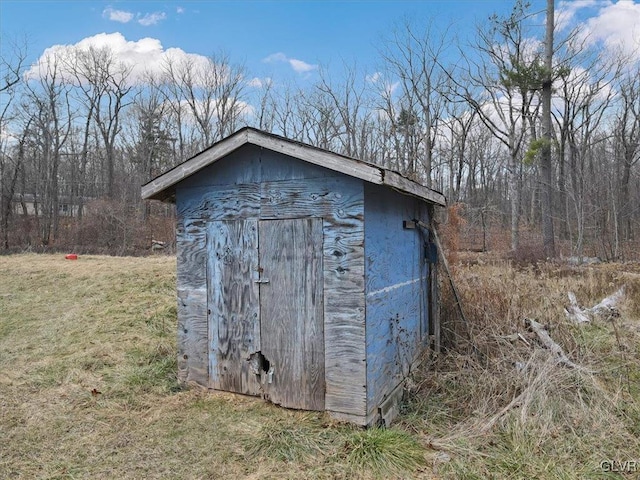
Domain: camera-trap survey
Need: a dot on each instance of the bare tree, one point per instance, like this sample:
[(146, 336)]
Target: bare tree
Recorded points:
[(456, 130), (414, 56), (11, 70), (343, 111), (627, 136), (147, 141), (585, 96), (48, 122), (104, 85), (545, 154), (265, 114), (500, 89), (208, 93)]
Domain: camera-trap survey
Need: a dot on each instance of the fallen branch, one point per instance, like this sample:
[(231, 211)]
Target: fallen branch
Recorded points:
[(514, 337), (549, 344), (516, 402), (608, 303)]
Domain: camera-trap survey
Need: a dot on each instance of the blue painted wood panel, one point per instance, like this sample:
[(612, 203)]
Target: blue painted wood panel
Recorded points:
[(396, 278), (251, 164)]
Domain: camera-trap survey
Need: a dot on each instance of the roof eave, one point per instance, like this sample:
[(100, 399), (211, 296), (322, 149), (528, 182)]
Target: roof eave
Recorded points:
[(163, 187), (154, 189)]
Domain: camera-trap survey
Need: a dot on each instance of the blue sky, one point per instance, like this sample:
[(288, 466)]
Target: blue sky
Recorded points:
[(316, 32), (275, 37)]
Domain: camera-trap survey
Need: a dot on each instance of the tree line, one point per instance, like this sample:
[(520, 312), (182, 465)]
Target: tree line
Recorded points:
[(83, 132)]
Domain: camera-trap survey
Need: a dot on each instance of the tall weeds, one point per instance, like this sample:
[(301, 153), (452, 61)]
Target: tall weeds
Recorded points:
[(503, 407)]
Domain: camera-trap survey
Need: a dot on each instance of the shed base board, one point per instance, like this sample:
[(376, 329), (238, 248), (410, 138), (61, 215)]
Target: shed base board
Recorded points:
[(390, 407), (385, 414), (363, 421)]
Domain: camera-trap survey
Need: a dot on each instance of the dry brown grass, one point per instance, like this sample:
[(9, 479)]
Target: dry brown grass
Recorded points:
[(507, 409), (88, 388)]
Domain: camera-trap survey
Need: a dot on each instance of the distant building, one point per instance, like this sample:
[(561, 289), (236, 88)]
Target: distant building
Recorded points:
[(27, 203)]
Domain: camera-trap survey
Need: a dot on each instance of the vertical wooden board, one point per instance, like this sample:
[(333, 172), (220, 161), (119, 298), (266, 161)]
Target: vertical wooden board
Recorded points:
[(192, 302), (291, 306), (339, 200), (345, 355), (234, 332), (193, 365)]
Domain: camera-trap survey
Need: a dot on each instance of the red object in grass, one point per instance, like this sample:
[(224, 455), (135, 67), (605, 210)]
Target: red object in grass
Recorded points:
[(71, 256)]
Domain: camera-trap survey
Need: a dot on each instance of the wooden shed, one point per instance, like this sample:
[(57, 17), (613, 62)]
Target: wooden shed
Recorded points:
[(297, 278)]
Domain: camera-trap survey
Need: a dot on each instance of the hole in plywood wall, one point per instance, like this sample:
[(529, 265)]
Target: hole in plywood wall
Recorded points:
[(259, 363)]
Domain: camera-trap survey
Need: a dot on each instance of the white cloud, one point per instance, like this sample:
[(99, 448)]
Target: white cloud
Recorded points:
[(567, 10), (179, 10), (374, 77), (614, 25), (146, 55), (149, 19), (275, 57), (259, 83), (298, 66), (255, 82), (617, 26), (145, 20), (117, 15)]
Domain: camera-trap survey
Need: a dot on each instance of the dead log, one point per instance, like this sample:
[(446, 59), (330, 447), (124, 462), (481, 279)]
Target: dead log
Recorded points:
[(609, 303), (577, 314)]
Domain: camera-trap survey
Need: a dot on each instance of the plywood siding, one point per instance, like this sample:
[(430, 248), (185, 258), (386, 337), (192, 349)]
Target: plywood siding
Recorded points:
[(192, 301), (261, 185), (344, 303), (396, 290), (251, 165), (219, 202)]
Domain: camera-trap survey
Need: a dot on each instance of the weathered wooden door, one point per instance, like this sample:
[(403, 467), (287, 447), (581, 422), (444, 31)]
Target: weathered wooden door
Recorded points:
[(233, 305), (265, 306), (291, 311)]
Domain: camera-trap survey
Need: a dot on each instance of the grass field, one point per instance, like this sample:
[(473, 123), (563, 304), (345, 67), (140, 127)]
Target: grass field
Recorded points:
[(88, 386)]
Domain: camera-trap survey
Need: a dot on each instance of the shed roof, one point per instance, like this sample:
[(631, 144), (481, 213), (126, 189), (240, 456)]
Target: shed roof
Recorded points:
[(163, 186)]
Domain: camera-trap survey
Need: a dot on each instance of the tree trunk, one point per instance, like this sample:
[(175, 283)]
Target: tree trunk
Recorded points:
[(546, 193)]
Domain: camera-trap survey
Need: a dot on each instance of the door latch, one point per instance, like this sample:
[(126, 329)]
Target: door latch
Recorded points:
[(258, 276)]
